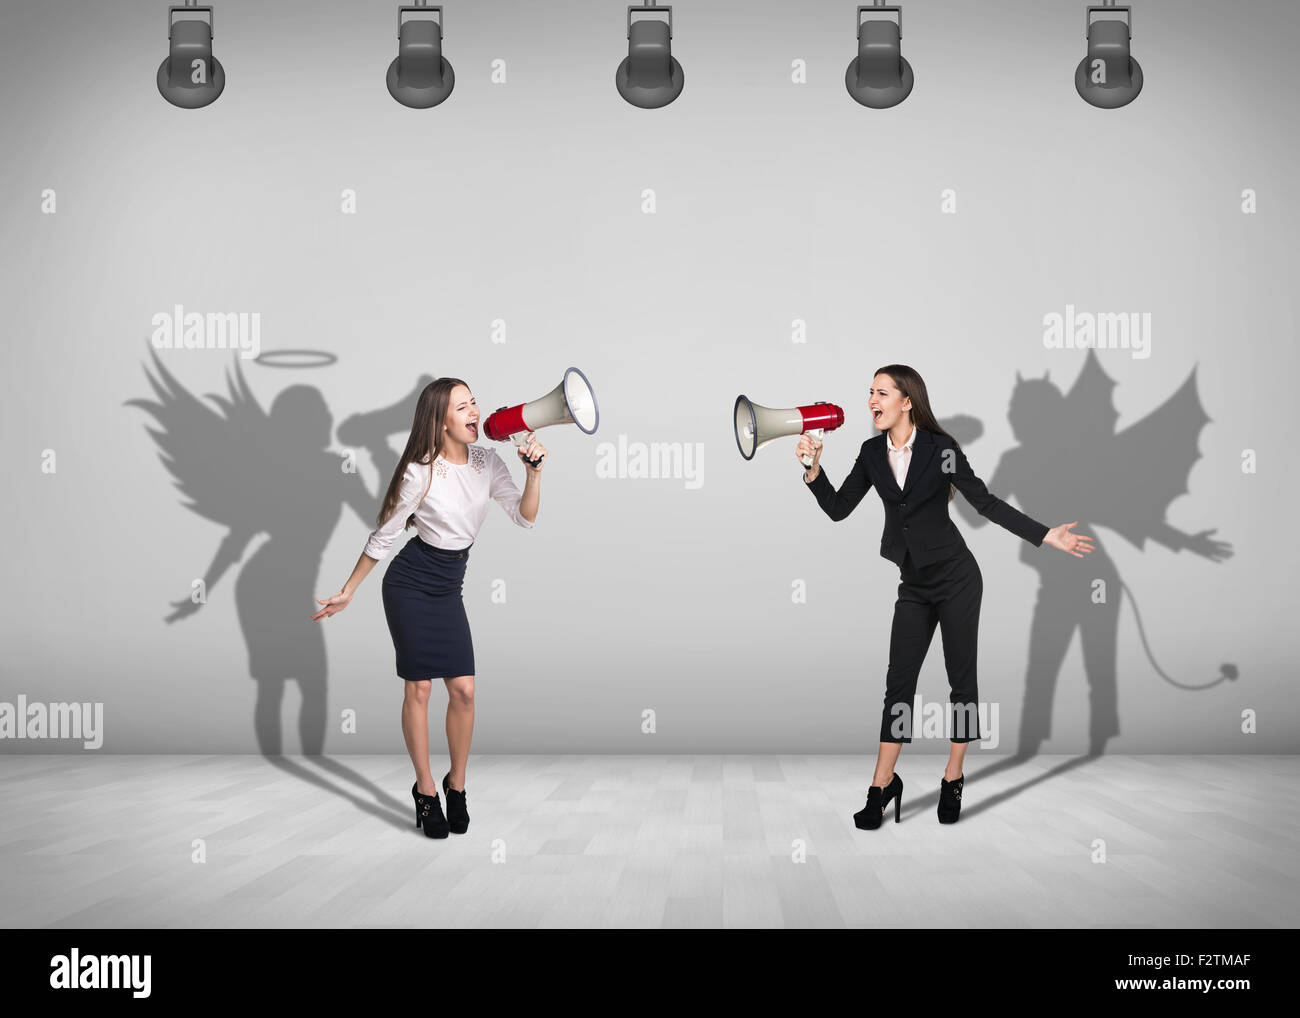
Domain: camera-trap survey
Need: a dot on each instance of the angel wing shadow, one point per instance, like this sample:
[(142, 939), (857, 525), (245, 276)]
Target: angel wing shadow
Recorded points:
[(252, 472), (1071, 464)]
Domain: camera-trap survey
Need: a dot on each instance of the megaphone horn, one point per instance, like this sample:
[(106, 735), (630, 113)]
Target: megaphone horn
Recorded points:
[(757, 425), (571, 402)]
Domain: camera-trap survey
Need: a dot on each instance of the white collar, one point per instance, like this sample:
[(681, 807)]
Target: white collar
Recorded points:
[(906, 445)]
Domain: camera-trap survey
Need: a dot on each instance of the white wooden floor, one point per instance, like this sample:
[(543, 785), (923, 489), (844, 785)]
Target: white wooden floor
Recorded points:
[(679, 841)]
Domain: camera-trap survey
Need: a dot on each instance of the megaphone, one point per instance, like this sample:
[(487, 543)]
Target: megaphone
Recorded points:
[(757, 425), (570, 402)]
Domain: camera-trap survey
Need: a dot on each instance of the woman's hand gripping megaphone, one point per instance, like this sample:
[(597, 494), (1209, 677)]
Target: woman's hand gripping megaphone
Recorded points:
[(531, 451), (809, 451)]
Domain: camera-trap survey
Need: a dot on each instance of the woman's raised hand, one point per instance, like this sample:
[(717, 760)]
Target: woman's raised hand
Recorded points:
[(1077, 545), (333, 605), (809, 446)]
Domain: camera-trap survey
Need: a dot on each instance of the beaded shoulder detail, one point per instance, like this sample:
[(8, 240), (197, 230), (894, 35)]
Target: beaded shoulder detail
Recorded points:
[(477, 460)]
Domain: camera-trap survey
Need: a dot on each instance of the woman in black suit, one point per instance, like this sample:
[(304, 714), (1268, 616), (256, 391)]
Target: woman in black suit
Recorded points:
[(915, 466)]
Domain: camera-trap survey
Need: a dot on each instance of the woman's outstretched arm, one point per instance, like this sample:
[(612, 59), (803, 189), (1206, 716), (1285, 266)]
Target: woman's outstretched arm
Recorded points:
[(415, 483), (953, 462)]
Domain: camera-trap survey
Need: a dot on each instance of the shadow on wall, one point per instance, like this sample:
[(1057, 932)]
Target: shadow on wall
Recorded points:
[(1071, 464), (253, 471)]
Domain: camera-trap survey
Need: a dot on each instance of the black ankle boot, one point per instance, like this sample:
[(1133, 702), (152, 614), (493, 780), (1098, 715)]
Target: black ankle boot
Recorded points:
[(457, 814), (869, 817), (428, 811), (950, 799)]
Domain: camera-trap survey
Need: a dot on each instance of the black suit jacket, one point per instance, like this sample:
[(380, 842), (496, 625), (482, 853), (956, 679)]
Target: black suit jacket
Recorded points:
[(916, 518)]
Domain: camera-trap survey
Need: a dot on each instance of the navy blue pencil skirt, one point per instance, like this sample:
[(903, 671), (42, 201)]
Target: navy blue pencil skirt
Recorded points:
[(426, 616)]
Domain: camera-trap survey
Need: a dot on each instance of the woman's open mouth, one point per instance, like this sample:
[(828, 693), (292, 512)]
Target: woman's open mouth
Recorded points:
[(875, 415), (473, 429)]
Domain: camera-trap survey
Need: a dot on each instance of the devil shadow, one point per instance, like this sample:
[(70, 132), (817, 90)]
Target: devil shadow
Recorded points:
[(254, 472)]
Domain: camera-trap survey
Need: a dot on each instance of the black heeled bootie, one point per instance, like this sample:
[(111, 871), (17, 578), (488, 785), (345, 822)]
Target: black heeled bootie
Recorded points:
[(869, 817), (428, 812), (950, 799), (457, 813)]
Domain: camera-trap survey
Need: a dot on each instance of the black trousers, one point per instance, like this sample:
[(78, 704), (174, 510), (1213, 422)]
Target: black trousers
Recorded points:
[(947, 594)]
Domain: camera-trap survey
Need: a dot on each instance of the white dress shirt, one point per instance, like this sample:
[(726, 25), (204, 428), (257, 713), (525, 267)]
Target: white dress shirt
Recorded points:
[(899, 459), (457, 503)]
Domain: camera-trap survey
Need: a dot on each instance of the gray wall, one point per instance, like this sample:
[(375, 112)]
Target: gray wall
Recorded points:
[(522, 202)]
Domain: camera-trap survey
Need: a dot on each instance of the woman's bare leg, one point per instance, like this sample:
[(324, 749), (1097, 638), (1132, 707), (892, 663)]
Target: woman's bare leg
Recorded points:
[(460, 726), (885, 760), (956, 760), (415, 730)]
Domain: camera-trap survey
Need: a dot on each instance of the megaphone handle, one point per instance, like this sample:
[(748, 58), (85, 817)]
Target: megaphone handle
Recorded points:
[(521, 440), (815, 433)]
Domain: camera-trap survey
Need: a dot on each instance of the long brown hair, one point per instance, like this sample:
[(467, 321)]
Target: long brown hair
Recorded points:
[(912, 385), (424, 443)]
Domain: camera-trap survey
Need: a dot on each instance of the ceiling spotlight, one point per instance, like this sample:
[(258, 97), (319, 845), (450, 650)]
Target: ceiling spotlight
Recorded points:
[(650, 77), (1108, 76), (420, 77), (879, 76), (191, 76)]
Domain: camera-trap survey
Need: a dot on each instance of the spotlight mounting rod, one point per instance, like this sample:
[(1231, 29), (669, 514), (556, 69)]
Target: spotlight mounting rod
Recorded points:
[(423, 7), (1109, 7), (879, 7), (190, 6), (650, 9)]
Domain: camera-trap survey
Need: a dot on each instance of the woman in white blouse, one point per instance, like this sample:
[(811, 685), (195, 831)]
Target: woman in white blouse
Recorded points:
[(442, 486)]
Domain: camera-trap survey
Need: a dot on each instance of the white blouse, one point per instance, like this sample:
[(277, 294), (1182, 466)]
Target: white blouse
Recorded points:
[(900, 459), (457, 503)]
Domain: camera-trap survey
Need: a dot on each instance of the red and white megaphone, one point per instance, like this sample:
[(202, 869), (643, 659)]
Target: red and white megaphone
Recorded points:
[(757, 425), (570, 402)]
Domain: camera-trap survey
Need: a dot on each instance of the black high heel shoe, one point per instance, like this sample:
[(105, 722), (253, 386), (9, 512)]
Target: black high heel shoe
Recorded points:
[(869, 817), (457, 814), (950, 799), (428, 812)]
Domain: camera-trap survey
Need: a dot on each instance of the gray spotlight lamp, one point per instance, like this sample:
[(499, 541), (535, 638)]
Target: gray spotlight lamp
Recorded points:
[(879, 76), (650, 76), (1108, 77), (190, 76), (420, 76)]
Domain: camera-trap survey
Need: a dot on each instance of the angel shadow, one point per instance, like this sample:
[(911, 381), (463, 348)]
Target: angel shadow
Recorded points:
[(1071, 464), (253, 472)]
